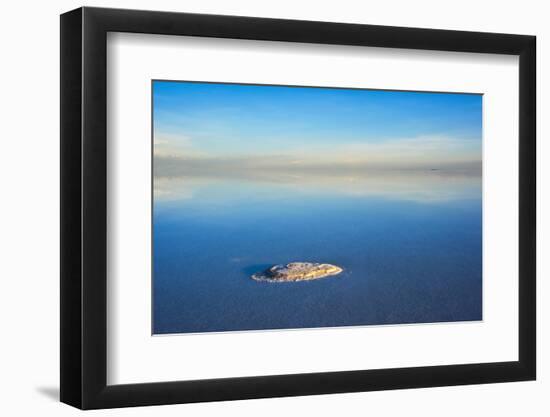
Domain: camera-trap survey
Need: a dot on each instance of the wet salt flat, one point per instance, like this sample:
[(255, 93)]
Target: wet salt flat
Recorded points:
[(411, 254)]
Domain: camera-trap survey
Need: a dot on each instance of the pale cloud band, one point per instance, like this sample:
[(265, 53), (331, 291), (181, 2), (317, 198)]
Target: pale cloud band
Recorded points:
[(453, 156), (430, 168)]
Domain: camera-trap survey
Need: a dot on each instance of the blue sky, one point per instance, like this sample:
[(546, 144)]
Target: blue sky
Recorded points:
[(208, 121)]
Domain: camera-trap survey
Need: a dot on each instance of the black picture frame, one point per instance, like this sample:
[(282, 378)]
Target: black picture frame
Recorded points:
[(84, 207)]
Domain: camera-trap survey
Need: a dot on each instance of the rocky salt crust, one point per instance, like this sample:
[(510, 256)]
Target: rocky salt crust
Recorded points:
[(297, 271)]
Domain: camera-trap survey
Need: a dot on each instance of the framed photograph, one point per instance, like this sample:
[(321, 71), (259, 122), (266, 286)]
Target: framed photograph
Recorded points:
[(257, 207)]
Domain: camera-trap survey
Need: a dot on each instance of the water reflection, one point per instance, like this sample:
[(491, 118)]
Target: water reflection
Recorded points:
[(409, 243), (423, 186)]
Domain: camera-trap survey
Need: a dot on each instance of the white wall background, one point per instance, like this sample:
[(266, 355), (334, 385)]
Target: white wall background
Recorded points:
[(29, 226)]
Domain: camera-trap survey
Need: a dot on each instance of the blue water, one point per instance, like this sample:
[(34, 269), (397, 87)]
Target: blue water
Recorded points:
[(406, 258)]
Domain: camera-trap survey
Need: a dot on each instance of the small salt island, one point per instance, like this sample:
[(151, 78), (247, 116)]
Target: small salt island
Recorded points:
[(297, 271)]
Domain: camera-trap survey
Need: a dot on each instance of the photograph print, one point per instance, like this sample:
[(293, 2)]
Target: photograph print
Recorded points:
[(294, 207)]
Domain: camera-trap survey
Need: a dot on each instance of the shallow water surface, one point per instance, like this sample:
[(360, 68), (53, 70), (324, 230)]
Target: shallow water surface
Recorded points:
[(411, 250)]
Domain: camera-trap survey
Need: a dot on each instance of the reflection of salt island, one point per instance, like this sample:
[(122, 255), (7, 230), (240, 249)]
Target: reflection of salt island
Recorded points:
[(297, 271)]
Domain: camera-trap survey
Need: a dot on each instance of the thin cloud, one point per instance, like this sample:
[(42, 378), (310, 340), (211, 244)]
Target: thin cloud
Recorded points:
[(408, 154)]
